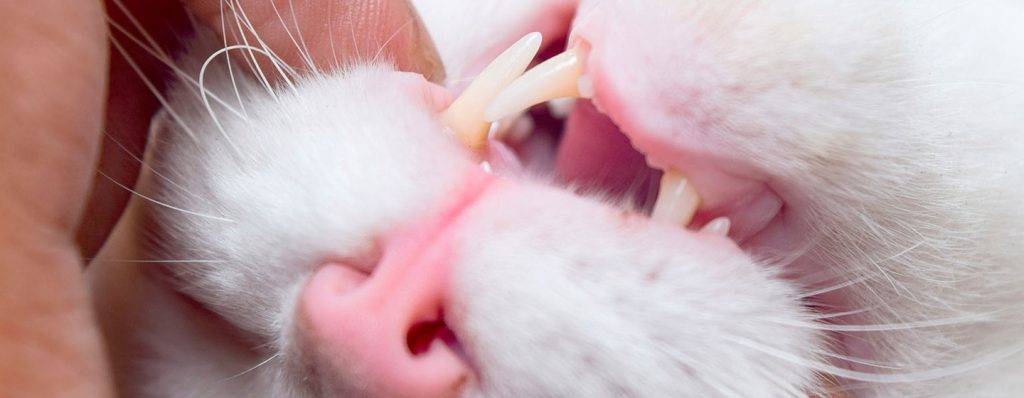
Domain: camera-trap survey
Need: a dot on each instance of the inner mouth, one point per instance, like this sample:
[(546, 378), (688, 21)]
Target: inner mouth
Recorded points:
[(581, 147), (562, 119)]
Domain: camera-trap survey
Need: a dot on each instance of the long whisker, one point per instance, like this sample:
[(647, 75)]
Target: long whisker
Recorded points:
[(152, 89), (380, 50), (167, 62), (842, 314), (301, 48), (330, 34), (247, 371), (119, 261), (302, 40), (157, 202), (147, 167), (859, 361), (884, 327), (231, 72), (908, 377), (833, 288), (202, 89), (138, 26), (242, 19)]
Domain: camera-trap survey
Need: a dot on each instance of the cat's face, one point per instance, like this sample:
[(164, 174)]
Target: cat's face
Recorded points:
[(351, 236)]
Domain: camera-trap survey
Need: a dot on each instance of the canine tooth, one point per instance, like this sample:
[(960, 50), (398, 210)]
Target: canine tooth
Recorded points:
[(555, 78), (677, 199), (465, 116), (718, 226)]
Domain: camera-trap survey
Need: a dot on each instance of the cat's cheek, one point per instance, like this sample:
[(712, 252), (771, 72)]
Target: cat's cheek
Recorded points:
[(606, 298)]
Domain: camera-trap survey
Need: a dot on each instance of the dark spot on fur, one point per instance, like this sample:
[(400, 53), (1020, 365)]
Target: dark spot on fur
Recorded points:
[(653, 275)]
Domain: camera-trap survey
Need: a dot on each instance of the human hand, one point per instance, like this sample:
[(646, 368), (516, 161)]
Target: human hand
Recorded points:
[(55, 212)]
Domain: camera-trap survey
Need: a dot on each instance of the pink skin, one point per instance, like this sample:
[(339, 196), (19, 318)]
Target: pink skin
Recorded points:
[(595, 154), (729, 186), (389, 323)]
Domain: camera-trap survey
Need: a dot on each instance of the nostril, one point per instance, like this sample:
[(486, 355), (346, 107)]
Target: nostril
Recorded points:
[(384, 328), (423, 335)]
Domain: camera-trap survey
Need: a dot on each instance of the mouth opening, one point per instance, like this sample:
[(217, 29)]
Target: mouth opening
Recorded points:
[(577, 144)]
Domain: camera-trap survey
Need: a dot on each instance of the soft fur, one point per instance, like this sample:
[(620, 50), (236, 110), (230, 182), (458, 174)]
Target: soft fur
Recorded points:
[(891, 130)]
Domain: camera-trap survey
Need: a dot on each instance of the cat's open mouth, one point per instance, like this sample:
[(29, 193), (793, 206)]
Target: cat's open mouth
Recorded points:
[(562, 118), (566, 119)]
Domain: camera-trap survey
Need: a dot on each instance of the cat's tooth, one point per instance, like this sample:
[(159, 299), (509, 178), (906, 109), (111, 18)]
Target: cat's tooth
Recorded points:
[(465, 116), (560, 108), (677, 199), (718, 226), (513, 129), (558, 77)]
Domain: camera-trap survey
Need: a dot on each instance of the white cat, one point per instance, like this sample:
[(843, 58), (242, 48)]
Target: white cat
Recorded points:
[(335, 239)]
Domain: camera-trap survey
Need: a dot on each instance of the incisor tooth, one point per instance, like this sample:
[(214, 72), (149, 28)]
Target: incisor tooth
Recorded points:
[(557, 77), (465, 116), (718, 226), (677, 199)]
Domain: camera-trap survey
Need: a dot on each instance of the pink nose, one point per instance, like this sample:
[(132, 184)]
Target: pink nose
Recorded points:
[(384, 331)]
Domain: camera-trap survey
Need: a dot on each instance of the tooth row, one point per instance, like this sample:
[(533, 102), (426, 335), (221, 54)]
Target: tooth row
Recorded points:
[(503, 90)]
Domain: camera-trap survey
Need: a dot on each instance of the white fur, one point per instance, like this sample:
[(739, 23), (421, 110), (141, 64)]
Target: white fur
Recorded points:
[(893, 133), (900, 151)]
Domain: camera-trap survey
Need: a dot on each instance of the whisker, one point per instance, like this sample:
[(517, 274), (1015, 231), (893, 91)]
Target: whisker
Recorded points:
[(240, 17), (884, 378), (859, 361), (833, 288), (842, 314), (138, 26), (152, 89), (330, 34), (119, 261), (227, 57), (284, 25), (281, 67), (147, 167), (136, 193), (202, 89), (884, 327), (244, 372), (298, 31), (167, 62), (390, 38)]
